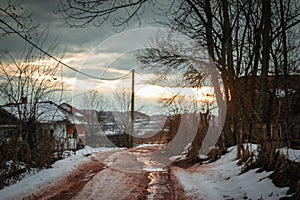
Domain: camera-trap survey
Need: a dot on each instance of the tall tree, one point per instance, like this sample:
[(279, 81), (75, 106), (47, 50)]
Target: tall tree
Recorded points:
[(239, 37)]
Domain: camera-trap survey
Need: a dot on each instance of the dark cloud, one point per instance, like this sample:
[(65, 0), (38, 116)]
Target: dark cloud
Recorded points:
[(42, 14), (56, 28), (77, 42)]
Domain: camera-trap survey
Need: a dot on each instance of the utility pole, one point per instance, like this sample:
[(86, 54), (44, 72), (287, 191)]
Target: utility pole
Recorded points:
[(130, 139)]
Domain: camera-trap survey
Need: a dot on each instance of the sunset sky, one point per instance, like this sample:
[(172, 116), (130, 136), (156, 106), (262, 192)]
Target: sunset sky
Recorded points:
[(99, 51)]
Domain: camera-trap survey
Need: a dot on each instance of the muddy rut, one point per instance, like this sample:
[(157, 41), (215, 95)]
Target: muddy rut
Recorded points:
[(96, 180)]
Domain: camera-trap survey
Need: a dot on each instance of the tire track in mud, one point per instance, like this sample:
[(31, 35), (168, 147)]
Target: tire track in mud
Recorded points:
[(73, 184), (145, 185), (70, 185)]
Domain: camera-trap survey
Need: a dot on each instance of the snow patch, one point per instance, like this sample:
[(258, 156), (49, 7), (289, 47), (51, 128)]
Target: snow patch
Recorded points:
[(51, 176), (148, 145), (222, 180), (291, 154), (154, 169)]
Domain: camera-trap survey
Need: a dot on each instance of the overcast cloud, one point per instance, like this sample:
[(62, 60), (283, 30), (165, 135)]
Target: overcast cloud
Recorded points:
[(98, 51)]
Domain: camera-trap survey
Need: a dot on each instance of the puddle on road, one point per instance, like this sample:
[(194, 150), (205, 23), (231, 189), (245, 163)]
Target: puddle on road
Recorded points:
[(158, 187)]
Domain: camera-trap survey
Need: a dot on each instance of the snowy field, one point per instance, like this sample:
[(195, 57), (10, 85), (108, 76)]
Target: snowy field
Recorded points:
[(221, 180)]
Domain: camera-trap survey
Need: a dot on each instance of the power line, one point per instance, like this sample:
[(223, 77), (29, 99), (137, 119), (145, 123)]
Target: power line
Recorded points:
[(76, 95), (49, 55)]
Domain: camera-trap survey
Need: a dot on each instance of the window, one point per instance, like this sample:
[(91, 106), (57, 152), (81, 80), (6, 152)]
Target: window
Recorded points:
[(51, 132)]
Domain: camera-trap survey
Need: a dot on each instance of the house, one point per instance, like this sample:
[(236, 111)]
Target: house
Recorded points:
[(9, 125), (71, 109), (51, 119), (79, 125)]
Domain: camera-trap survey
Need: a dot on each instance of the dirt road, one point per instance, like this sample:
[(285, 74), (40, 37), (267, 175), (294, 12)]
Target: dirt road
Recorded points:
[(122, 174)]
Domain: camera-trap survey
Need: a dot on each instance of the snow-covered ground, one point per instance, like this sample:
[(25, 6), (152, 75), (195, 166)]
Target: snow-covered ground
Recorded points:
[(218, 180), (51, 176), (291, 154), (222, 180)]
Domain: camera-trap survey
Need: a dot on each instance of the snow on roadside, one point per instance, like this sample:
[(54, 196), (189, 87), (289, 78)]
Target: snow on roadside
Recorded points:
[(49, 177), (221, 180), (148, 145), (291, 154)]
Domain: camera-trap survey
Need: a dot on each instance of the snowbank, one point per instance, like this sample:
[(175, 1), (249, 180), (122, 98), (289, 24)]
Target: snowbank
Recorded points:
[(59, 170), (291, 154), (221, 180)]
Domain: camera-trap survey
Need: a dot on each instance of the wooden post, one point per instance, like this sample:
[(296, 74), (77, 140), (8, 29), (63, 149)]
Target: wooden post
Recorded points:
[(132, 112)]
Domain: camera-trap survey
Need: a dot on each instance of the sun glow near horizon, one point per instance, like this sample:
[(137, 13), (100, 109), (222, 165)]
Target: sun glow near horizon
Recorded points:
[(202, 94)]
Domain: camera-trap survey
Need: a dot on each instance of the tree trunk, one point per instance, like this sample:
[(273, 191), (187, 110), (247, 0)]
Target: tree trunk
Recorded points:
[(266, 157), (193, 153)]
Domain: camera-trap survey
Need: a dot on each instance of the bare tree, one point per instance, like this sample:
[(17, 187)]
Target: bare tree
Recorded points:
[(93, 103), (121, 105), (13, 15), (233, 33), (118, 12), (24, 83), (35, 79), (246, 40), (93, 100), (172, 53)]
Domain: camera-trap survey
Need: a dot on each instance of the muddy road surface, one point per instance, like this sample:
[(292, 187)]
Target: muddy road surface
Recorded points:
[(121, 174)]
